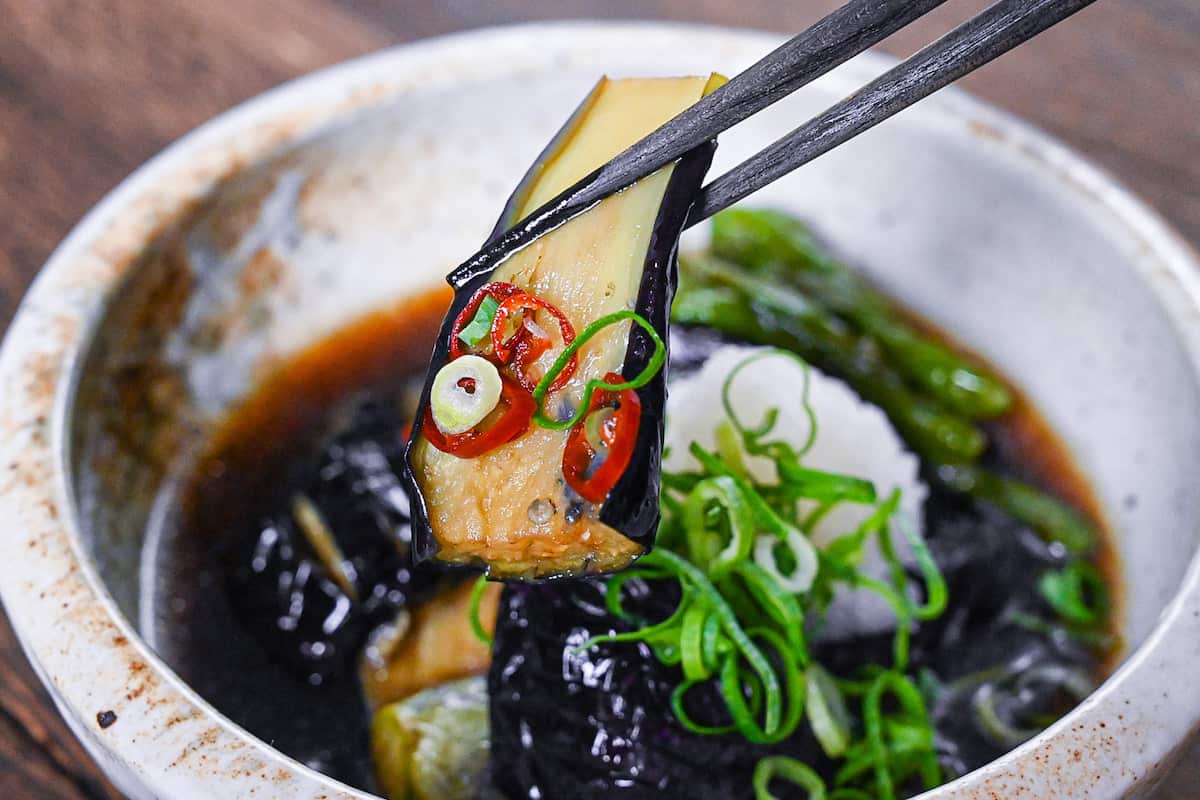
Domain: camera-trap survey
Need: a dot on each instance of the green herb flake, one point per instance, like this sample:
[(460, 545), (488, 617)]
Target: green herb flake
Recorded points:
[(480, 327)]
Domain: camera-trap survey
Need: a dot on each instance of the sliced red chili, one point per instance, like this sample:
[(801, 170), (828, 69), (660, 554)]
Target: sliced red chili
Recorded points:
[(524, 346), (516, 411), (618, 432), (498, 290)]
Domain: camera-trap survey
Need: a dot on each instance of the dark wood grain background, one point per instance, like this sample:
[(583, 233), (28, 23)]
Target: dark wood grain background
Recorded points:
[(90, 90)]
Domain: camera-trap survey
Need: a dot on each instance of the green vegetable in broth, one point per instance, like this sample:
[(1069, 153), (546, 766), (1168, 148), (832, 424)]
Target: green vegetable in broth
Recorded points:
[(434, 745), (720, 295), (782, 248)]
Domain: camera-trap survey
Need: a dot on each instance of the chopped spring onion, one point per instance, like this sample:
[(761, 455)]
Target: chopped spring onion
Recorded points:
[(691, 644), (991, 696), (752, 437), (780, 714), (657, 359), (685, 719), (1077, 593), (464, 392), (480, 327), (778, 604), (748, 573), (905, 730), (989, 719), (474, 615), (749, 579), (827, 714), (805, 555), (788, 769), (729, 447), (936, 593), (848, 548), (704, 543)]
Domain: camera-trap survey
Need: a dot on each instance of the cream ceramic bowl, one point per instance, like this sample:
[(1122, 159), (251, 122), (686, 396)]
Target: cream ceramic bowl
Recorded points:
[(347, 190)]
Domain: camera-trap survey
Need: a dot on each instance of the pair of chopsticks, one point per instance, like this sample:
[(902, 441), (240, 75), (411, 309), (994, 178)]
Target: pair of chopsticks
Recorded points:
[(846, 32)]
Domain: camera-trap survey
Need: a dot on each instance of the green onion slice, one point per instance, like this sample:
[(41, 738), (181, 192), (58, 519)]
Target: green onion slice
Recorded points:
[(476, 600), (685, 719), (704, 544), (691, 644), (827, 714), (657, 359), (778, 604), (752, 437), (1078, 593), (936, 593), (805, 554), (480, 326), (464, 392), (788, 769)]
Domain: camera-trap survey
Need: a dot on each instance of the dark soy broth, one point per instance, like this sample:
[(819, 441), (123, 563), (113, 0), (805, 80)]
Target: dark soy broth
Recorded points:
[(339, 408)]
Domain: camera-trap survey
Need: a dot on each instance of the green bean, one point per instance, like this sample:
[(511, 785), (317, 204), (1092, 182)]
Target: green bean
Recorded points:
[(782, 247), (728, 299), (1051, 518)]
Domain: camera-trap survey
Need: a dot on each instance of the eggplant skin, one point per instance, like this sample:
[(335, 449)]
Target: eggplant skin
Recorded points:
[(598, 724), (632, 507), (283, 593), (583, 538)]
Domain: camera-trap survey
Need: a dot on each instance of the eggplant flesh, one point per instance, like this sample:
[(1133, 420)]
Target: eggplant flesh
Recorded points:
[(429, 645), (620, 254), (434, 745)]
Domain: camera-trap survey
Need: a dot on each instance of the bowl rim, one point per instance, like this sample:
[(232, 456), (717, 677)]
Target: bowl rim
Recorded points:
[(171, 741)]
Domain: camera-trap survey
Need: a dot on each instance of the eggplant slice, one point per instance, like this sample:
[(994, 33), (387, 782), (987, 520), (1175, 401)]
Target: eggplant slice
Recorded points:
[(510, 510), (597, 724)]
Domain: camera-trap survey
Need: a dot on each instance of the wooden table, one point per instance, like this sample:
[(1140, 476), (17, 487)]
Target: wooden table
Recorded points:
[(88, 91)]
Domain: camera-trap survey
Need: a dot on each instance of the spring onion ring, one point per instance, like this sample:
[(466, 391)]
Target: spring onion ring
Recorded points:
[(474, 615), (464, 392), (827, 714), (805, 571), (788, 769), (657, 359)]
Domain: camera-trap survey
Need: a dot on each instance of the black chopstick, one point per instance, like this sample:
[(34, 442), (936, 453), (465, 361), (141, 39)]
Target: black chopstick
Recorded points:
[(992, 33), (842, 34), (834, 39)]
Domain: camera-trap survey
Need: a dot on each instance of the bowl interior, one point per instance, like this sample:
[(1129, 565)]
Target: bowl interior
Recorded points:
[(944, 206)]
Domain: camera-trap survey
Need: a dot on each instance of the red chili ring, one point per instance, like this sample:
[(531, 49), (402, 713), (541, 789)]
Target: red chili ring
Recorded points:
[(619, 432), (515, 420), (518, 344), (496, 289)]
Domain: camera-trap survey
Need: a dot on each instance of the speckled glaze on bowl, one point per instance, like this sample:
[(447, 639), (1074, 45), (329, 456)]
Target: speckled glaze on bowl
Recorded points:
[(343, 192)]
